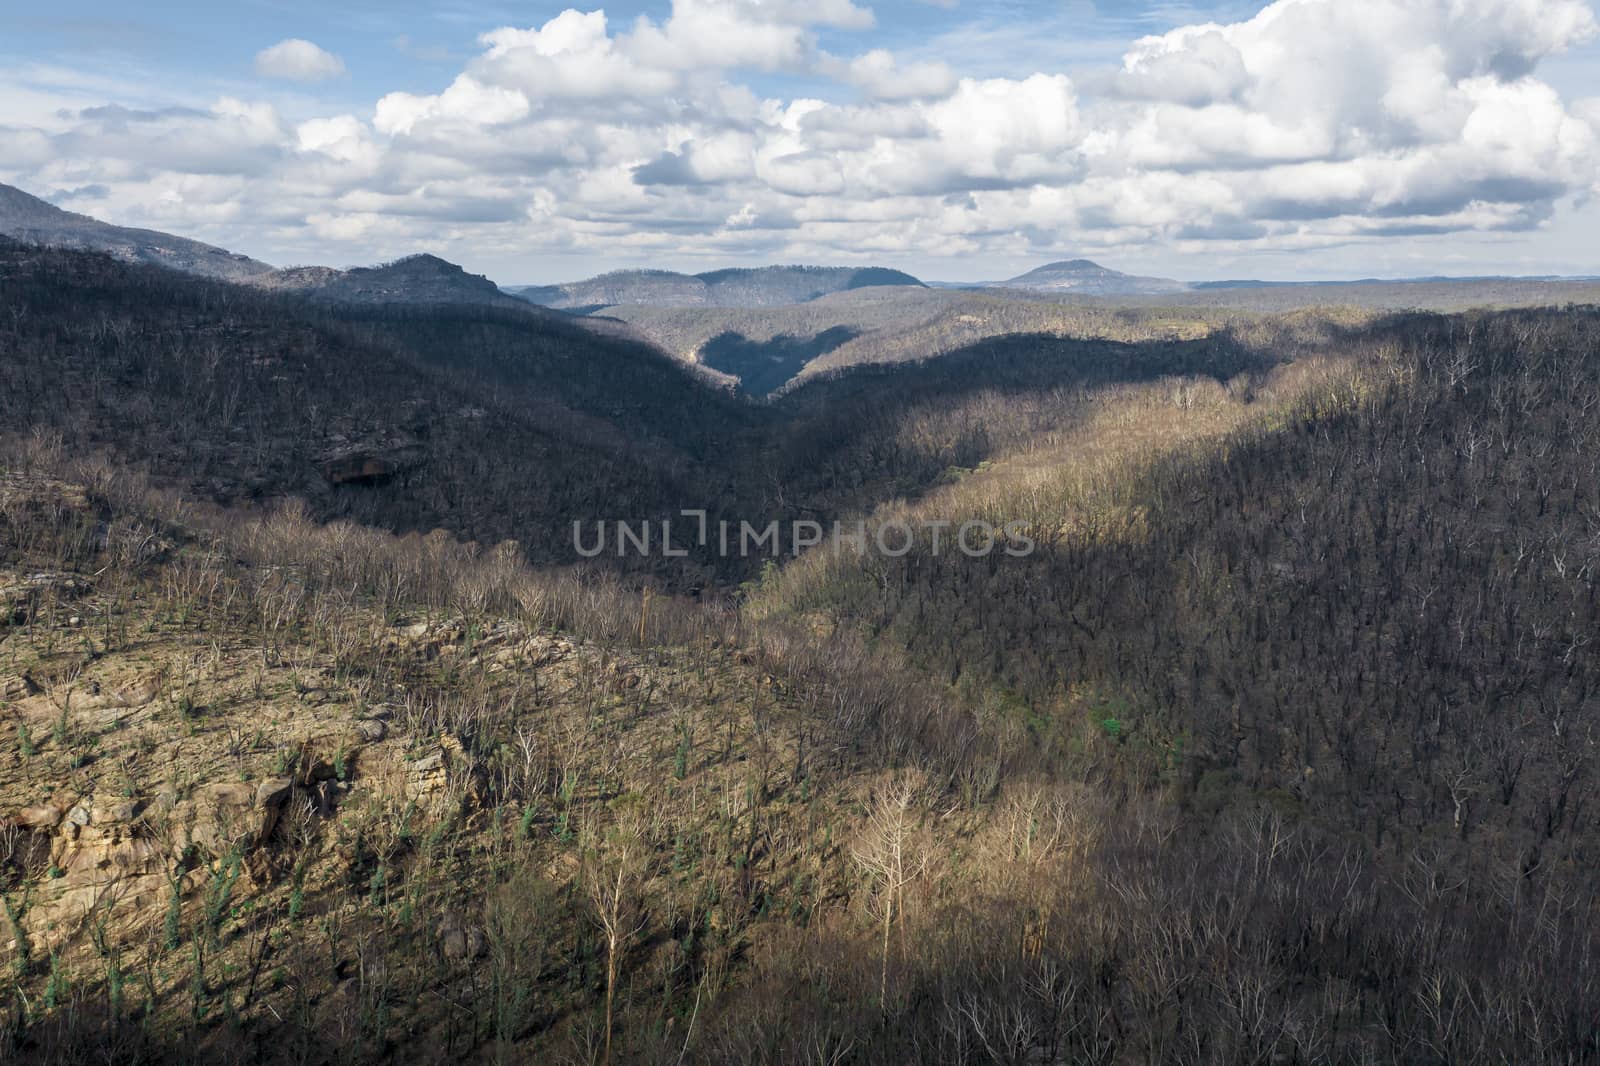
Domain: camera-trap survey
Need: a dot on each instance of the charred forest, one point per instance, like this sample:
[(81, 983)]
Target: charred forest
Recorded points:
[(319, 742)]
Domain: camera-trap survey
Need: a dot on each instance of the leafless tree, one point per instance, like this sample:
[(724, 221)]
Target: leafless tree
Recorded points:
[(889, 855), (615, 870)]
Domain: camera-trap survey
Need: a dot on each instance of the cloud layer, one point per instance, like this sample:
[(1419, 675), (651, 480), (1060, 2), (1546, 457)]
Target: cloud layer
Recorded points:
[(298, 60), (1316, 121)]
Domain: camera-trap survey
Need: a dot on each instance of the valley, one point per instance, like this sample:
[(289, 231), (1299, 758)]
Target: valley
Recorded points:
[(320, 741)]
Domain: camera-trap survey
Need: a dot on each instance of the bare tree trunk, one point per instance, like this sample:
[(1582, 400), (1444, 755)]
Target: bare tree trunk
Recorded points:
[(611, 993), (883, 963), (883, 856), (616, 874)]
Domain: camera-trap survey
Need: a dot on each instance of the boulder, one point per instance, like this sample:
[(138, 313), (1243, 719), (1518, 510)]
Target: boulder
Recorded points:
[(16, 687), (141, 691), (235, 813), (121, 812), (41, 817), (459, 940), (429, 778), (18, 592), (370, 730), (274, 792)]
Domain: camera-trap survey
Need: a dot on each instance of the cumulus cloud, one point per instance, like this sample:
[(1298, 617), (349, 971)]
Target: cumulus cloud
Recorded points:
[(1315, 121), (298, 60), (879, 74)]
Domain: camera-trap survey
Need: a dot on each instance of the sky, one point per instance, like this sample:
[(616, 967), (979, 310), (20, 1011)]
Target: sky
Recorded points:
[(960, 140)]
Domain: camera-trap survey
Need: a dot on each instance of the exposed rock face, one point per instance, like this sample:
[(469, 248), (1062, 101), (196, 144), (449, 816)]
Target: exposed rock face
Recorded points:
[(369, 462), (120, 853), (37, 818), (101, 860), (429, 776), (447, 774), (359, 468), (459, 940), (33, 496), (17, 686), (92, 696), (232, 814), (20, 593)]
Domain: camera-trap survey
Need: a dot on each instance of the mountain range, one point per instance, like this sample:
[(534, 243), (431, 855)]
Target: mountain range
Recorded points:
[(1260, 731), (412, 279), (758, 287), (426, 278)]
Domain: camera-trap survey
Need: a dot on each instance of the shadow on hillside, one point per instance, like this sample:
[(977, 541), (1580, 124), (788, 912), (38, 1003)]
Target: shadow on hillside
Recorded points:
[(765, 366)]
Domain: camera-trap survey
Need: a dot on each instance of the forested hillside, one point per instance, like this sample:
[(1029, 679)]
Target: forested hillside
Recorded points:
[(492, 424), (318, 744), (1370, 613)]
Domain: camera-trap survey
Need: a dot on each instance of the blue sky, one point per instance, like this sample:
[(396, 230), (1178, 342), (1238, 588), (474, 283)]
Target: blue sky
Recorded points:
[(1302, 139), (187, 51)]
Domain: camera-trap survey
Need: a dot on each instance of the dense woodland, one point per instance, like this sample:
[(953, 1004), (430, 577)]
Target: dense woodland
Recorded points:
[(1279, 749)]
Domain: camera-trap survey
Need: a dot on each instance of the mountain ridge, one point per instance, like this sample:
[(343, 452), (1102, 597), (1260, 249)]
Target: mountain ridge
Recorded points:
[(421, 277), (31, 219), (770, 286)]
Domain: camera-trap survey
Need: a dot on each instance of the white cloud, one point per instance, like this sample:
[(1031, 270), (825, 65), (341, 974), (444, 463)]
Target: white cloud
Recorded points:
[(880, 75), (1316, 121), (298, 60), (467, 100), (723, 34)]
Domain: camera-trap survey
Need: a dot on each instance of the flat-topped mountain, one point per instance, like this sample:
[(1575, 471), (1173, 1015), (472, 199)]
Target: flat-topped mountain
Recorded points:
[(1089, 279), (28, 218), (421, 278), (771, 286)]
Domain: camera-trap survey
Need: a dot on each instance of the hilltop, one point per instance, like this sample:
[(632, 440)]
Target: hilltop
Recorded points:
[(420, 278), (1083, 277), (28, 218), (754, 287)]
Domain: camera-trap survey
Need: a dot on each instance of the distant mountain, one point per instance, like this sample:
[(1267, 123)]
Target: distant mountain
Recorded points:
[(1432, 279), (1089, 279), (28, 218), (772, 286), (420, 279)]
